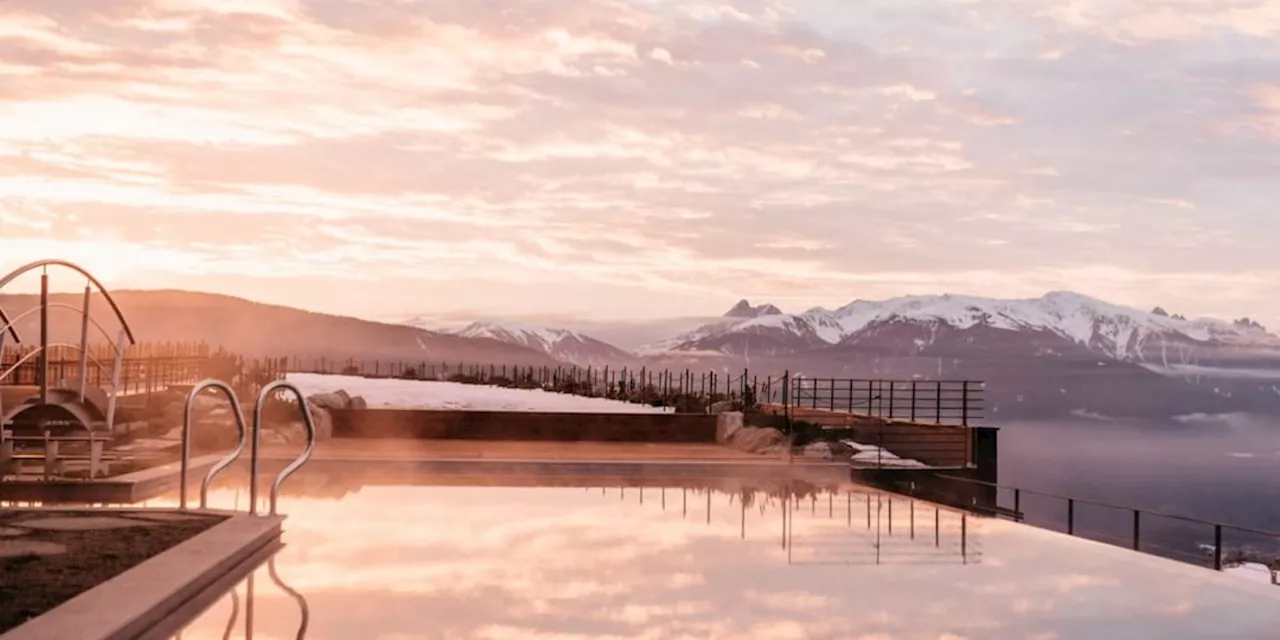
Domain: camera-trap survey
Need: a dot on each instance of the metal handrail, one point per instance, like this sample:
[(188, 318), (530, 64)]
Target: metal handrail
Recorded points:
[(13, 275), (10, 323), (225, 462), (302, 459)]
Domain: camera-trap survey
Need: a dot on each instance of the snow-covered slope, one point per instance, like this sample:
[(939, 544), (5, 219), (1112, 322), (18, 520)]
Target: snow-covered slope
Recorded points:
[(422, 394), (1111, 330), (562, 344)]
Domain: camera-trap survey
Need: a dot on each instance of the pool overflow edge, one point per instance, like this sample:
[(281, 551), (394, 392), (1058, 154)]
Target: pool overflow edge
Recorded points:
[(1137, 515)]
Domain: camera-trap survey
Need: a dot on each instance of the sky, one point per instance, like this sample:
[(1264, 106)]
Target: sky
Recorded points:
[(647, 158)]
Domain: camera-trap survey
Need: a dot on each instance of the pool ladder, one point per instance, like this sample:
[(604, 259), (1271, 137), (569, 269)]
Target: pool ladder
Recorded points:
[(245, 434)]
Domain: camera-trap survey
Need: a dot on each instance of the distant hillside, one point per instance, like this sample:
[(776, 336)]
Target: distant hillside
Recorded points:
[(262, 330), (562, 344)]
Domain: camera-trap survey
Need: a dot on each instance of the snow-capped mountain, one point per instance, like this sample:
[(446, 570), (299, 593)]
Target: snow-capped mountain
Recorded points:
[(744, 310), (1110, 330), (1056, 354), (564, 345)]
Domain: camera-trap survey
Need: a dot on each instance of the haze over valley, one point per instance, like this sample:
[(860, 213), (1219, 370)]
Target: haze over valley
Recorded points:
[(1059, 355)]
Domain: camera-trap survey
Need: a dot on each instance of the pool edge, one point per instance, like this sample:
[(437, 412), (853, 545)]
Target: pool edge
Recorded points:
[(132, 603)]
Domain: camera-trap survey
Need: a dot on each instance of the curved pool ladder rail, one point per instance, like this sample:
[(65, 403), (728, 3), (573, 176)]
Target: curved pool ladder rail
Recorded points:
[(227, 460), (263, 396)]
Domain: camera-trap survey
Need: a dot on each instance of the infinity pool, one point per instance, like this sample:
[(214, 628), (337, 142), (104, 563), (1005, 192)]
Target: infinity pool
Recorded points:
[(423, 557)]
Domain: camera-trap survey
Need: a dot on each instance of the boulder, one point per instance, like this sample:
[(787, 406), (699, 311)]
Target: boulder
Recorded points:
[(339, 399), (720, 407), (358, 402), (294, 432), (756, 440), (817, 450), (323, 422), (727, 424)]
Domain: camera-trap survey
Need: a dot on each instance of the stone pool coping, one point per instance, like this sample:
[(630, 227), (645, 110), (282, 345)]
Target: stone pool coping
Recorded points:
[(160, 588)]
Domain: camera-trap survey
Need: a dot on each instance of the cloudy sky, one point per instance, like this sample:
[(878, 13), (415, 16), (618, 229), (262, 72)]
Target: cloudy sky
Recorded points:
[(654, 157)]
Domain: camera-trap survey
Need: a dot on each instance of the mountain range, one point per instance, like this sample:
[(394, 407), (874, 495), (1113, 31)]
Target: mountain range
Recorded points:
[(1053, 356), (1057, 355)]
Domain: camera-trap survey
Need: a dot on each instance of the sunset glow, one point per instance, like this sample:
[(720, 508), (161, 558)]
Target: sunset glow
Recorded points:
[(649, 158)]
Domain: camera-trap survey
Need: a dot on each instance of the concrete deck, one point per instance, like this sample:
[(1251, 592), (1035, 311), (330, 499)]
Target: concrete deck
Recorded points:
[(133, 602)]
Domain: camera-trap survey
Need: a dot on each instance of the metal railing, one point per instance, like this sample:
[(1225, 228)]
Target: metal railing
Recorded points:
[(1137, 520), (943, 402), (254, 435), (946, 402), (257, 428), (185, 448)]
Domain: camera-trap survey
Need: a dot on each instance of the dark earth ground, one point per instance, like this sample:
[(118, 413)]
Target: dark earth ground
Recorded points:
[(48, 557)]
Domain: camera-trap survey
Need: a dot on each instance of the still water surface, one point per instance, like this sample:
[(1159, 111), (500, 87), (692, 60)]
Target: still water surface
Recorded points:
[(406, 559)]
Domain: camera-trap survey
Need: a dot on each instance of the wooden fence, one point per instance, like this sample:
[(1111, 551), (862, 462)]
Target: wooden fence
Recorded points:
[(151, 366), (144, 367)]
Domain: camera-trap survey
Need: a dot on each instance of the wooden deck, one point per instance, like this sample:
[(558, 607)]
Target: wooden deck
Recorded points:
[(942, 446)]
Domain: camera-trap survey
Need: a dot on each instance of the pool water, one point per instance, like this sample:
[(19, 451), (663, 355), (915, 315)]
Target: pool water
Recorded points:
[(428, 558)]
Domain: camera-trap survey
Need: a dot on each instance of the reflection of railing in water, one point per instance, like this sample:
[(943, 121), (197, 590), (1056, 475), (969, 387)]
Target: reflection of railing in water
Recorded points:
[(930, 535), (919, 533), (235, 613), (304, 609)]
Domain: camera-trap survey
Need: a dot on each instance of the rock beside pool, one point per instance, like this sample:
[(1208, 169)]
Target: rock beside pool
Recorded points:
[(213, 425), (821, 450), (757, 440), (295, 432), (339, 399), (727, 424), (720, 407)]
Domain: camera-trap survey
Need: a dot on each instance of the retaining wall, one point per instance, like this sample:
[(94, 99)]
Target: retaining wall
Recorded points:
[(427, 424)]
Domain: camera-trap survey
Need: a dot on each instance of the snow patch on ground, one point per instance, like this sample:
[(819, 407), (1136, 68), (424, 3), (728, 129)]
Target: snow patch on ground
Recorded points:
[(1191, 370), (1251, 571), (424, 394), (869, 455)]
